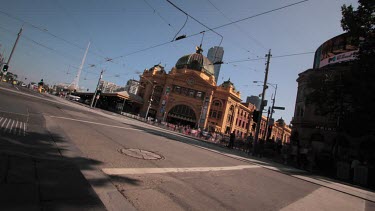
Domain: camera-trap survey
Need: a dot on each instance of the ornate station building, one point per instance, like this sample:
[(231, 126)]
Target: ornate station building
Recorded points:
[(189, 95)]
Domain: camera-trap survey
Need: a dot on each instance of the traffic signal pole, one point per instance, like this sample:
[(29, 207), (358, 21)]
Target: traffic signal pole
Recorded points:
[(256, 138), (14, 46), (272, 110), (96, 90)]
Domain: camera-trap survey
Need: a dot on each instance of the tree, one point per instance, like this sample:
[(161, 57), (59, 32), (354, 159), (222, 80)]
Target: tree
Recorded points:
[(345, 92), (360, 24)]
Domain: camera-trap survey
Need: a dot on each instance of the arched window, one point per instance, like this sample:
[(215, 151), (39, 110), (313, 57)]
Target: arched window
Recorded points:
[(216, 111), (158, 91), (217, 103)]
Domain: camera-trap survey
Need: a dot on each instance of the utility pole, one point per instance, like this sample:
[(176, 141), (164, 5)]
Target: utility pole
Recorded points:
[(14, 46), (272, 109), (150, 101), (268, 118), (96, 90), (262, 101)]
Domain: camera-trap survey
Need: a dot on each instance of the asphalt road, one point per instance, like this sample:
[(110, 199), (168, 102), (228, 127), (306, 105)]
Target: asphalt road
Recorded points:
[(186, 177)]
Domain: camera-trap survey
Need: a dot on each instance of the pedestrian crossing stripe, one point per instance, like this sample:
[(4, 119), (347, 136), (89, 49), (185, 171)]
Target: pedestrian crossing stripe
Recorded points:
[(12, 126)]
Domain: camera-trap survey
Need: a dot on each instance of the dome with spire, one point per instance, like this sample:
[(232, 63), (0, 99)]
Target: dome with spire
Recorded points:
[(196, 61), (228, 83), (281, 122)]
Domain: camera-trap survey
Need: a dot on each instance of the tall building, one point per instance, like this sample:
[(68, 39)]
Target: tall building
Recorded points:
[(321, 132), (108, 87), (132, 86), (255, 100), (215, 54)]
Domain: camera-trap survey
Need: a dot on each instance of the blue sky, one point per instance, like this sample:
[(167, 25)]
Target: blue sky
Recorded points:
[(116, 28)]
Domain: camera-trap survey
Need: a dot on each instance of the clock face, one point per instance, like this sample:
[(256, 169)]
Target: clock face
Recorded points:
[(190, 81)]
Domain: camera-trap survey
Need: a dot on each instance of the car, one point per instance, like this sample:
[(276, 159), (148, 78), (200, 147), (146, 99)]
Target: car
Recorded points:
[(73, 97)]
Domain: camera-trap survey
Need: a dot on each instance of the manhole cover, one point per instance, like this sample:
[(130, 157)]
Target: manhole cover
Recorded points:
[(140, 154)]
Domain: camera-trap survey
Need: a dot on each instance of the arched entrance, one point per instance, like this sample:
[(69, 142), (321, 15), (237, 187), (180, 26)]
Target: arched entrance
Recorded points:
[(182, 115)]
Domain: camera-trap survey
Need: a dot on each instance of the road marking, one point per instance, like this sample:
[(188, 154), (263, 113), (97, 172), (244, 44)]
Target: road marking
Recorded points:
[(15, 128), (24, 129), (6, 127), (126, 171), (17, 88), (11, 127), (20, 129), (95, 123), (5, 120), (327, 200)]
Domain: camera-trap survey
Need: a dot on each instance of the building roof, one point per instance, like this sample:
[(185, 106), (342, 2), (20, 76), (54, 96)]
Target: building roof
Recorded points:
[(196, 61), (228, 83)]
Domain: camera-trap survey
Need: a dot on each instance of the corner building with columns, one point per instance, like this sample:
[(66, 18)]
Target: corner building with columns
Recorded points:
[(189, 95)]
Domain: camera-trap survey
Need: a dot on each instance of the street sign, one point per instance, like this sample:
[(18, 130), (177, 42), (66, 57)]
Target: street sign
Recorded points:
[(279, 108)]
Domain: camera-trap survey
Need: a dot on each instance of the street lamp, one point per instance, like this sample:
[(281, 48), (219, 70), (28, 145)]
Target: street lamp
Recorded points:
[(270, 110), (152, 94)]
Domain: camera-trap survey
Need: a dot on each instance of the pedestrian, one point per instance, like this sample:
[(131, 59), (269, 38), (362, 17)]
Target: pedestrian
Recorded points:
[(261, 148), (249, 143), (231, 140)]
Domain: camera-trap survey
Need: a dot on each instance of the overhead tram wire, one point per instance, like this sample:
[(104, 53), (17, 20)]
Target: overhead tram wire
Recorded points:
[(50, 49), (55, 36), (187, 17), (259, 14), (221, 40), (181, 10), (280, 56), (49, 33), (240, 29), (39, 44), (158, 14), (217, 27)]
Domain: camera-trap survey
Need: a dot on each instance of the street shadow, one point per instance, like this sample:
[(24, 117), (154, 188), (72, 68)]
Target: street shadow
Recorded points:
[(123, 179), (34, 165)]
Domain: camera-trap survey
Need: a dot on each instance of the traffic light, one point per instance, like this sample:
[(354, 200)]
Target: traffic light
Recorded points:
[(255, 115), (5, 68)]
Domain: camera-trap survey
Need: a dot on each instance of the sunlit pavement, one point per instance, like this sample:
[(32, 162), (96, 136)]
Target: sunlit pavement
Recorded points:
[(189, 174)]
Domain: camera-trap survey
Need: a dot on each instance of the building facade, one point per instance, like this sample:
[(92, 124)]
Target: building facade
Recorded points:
[(314, 130), (255, 100), (132, 86), (108, 87), (215, 55), (188, 95)]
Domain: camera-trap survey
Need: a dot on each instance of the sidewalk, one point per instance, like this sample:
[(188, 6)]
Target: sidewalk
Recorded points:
[(31, 183)]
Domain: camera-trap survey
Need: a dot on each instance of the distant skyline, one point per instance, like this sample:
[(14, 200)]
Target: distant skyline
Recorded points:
[(57, 33), (215, 54)]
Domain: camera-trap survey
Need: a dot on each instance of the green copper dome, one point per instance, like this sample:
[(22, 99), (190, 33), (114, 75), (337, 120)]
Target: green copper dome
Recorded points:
[(196, 61)]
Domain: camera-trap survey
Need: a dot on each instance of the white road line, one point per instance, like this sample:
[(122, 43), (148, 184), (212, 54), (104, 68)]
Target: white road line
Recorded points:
[(5, 120), (17, 88), (11, 127), (126, 171), (24, 129), (6, 127), (15, 128), (95, 123), (1, 119), (20, 129), (326, 199)]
